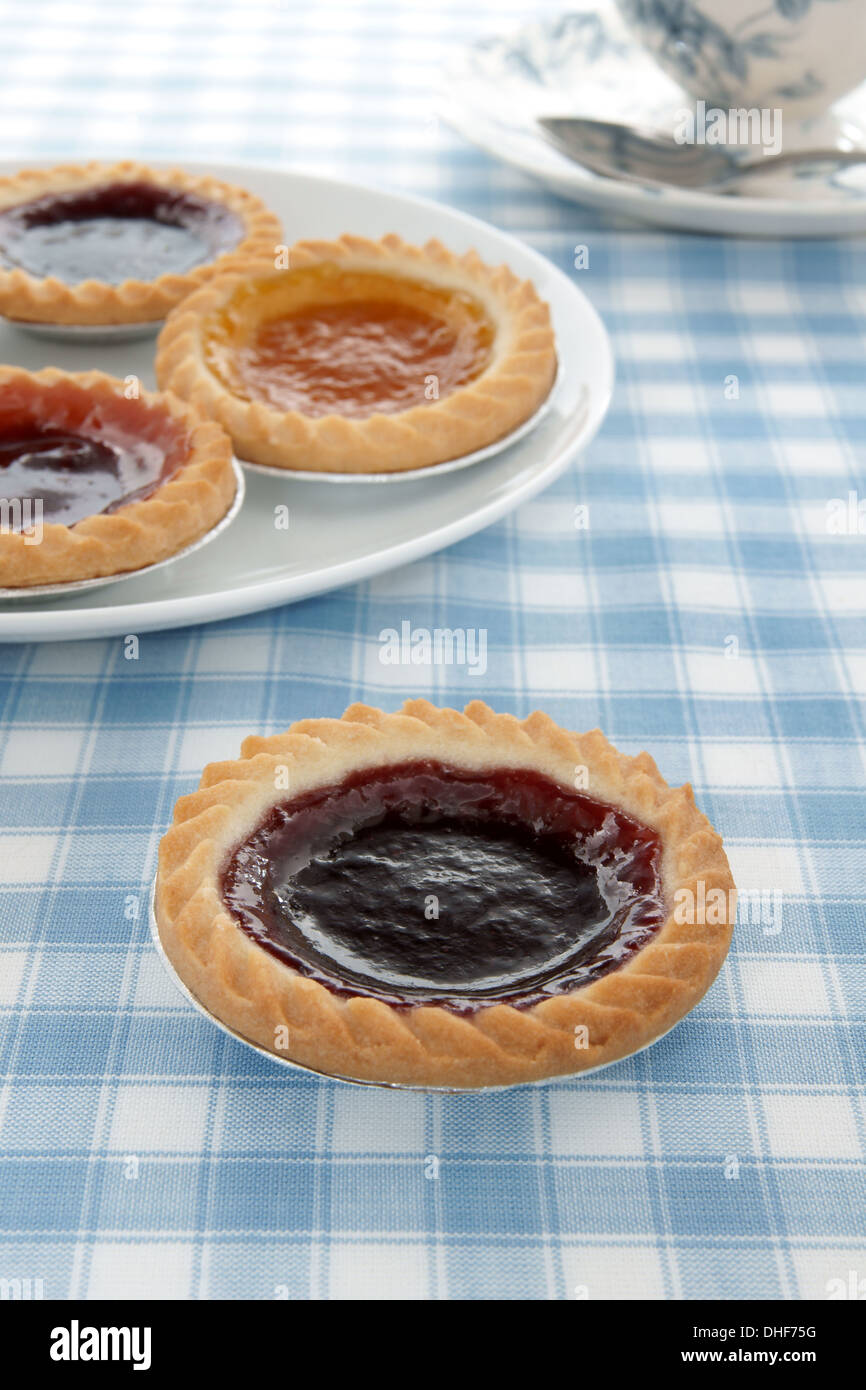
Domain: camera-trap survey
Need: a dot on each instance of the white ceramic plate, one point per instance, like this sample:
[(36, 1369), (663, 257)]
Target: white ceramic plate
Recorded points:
[(339, 535), (587, 63)]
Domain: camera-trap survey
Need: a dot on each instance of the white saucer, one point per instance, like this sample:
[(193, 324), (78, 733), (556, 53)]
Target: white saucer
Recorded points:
[(587, 63)]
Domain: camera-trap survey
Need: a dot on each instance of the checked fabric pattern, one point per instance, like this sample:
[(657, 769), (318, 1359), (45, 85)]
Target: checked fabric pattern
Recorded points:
[(712, 611)]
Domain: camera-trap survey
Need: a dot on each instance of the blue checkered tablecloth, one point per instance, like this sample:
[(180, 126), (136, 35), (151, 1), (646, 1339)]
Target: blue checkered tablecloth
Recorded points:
[(712, 612)]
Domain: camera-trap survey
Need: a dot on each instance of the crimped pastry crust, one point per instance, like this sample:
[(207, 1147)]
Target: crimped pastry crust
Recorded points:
[(516, 381), (51, 300), (177, 513), (365, 1039)]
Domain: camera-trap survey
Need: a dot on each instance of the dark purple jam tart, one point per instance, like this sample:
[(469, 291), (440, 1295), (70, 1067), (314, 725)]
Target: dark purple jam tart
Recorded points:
[(112, 244), (100, 233), (429, 899)]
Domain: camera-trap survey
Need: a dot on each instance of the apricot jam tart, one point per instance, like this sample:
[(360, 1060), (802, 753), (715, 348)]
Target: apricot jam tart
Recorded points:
[(96, 482), (426, 898), (120, 243), (362, 356)]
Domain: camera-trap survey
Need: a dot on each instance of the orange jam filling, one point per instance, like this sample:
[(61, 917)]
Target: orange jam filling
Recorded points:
[(327, 341)]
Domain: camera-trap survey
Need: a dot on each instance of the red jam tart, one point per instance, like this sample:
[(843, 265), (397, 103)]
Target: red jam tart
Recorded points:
[(95, 483), (362, 356), (430, 900), (108, 244)]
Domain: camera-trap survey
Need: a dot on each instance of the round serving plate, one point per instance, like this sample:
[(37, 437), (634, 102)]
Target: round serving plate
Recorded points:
[(77, 586), (349, 1080), (335, 536)]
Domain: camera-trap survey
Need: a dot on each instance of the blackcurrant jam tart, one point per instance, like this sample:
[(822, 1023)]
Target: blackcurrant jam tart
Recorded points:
[(428, 898), (96, 481), (362, 356), (102, 244)]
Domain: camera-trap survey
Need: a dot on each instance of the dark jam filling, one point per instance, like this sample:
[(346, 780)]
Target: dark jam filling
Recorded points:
[(116, 232), (421, 883), (73, 476)]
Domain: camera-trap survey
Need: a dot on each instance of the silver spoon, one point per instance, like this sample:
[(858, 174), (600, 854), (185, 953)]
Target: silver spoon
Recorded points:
[(645, 156)]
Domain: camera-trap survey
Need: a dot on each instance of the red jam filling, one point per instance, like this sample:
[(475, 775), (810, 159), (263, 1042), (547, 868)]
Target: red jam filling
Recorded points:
[(422, 883), (116, 232), (77, 453)]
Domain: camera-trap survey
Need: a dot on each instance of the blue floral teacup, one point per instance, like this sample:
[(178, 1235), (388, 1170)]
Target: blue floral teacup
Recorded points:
[(797, 55)]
